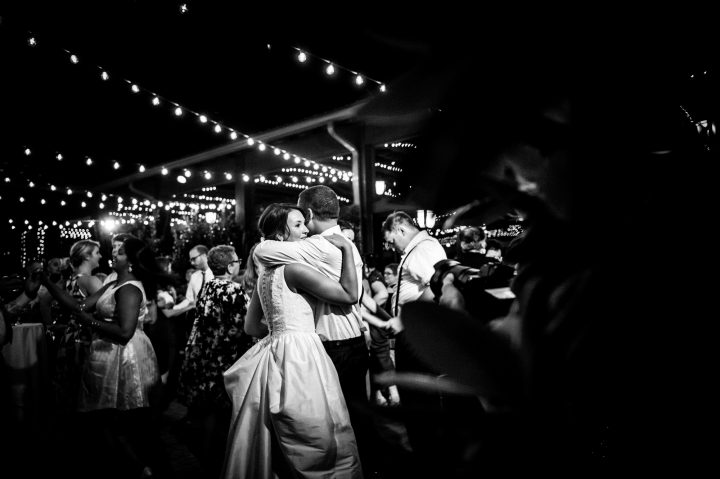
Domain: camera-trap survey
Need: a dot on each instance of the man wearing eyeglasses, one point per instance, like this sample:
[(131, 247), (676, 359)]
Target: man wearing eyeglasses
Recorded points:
[(203, 274)]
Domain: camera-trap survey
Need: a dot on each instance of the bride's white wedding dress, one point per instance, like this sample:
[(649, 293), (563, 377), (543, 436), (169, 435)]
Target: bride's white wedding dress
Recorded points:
[(286, 386)]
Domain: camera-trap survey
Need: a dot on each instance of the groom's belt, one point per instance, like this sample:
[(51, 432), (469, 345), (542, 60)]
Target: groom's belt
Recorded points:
[(344, 342)]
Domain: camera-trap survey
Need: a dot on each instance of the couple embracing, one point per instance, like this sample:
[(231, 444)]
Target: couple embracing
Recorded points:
[(289, 391)]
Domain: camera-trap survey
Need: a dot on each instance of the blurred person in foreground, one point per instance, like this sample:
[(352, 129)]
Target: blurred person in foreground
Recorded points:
[(592, 373)]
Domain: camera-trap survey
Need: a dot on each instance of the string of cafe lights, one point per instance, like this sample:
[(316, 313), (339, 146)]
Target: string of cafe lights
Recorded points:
[(390, 167), (400, 144), (331, 69), (334, 174), (156, 100), (294, 184)]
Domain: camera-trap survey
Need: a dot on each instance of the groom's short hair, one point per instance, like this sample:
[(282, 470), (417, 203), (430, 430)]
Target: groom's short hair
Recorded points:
[(322, 201)]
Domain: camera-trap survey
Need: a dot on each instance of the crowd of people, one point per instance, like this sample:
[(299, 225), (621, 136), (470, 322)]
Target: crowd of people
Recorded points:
[(276, 364), (541, 356)]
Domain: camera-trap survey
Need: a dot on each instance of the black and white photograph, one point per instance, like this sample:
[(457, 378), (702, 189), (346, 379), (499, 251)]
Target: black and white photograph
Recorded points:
[(363, 241)]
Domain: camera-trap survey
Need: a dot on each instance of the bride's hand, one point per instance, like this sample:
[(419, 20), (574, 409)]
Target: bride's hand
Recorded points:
[(338, 240)]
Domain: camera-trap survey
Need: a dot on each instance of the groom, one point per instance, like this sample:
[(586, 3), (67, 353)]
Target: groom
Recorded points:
[(339, 327)]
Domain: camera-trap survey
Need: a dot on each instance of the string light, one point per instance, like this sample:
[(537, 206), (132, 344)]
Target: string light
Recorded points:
[(331, 69), (219, 128)]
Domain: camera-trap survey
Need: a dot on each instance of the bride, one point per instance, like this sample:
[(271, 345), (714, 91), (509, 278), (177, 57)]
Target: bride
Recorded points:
[(289, 414)]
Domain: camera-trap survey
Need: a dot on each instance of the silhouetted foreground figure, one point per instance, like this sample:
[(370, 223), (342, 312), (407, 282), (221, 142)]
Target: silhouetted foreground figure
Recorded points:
[(595, 370)]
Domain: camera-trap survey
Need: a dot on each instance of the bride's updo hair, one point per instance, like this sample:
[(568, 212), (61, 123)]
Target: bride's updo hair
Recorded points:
[(273, 221)]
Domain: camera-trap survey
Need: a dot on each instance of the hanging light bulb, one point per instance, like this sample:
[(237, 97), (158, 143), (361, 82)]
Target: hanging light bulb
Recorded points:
[(233, 135), (74, 58), (359, 80), (62, 202), (135, 89), (104, 75), (250, 142), (116, 165), (181, 179), (103, 197), (208, 175), (330, 69), (164, 171), (52, 187), (286, 156), (59, 157), (42, 201), (141, 168), (89, 194), (69, 191), (276, 151), (156, 101), (261, 146), (383, 89), (31, 184), (245, 178), (27, 152), (302, 57), (83, 204), (178, 111), (228, 176), (88, 161), (187, 173), (380, 187), (203, 119), (32, 42), (218, 128)]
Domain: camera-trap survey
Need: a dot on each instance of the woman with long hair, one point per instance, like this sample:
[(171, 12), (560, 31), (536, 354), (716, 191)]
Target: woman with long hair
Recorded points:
[(289, 414), (250, 275)]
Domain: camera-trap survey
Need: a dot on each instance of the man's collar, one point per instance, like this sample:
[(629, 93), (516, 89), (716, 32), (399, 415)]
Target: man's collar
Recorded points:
[(421, 235), (331, 231)]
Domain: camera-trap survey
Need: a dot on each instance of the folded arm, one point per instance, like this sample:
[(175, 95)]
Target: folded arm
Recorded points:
[(299, 276), (277, 253)]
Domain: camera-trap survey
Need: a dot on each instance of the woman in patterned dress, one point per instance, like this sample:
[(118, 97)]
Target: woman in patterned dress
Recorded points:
[(73, 339), (216, 341)]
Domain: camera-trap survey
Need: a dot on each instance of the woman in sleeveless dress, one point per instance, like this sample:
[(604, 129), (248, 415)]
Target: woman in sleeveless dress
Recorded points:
[(289, 414), (71, 338), (120, 372)]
